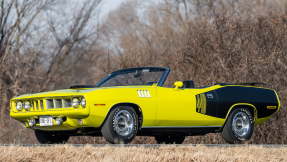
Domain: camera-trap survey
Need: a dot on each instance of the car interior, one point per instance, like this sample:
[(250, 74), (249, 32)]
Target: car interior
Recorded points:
[(188, 84)]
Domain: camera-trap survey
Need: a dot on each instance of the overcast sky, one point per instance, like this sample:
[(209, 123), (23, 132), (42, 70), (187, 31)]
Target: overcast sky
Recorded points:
[(108, 5)]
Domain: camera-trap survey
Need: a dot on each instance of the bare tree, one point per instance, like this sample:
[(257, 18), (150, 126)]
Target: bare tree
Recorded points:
[(16, 17), (76, 36), (24, 67)]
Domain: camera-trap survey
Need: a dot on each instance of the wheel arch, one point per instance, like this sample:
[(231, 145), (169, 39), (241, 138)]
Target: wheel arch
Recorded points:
[(136, 107), (249, 106)]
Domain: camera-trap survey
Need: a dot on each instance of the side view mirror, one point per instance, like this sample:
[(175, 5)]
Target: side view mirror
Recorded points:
[(178, 84)]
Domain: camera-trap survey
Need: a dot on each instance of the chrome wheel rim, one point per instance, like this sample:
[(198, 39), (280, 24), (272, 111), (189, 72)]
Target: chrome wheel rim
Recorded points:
[(123, 123), (241, 124)]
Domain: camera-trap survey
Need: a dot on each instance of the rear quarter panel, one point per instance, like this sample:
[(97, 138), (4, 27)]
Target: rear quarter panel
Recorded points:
[(265, 100)]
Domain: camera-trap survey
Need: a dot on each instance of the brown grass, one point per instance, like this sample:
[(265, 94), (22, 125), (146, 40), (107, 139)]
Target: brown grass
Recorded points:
[(162, 153)]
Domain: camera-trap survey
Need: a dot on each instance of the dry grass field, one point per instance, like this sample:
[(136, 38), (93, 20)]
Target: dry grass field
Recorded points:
[(142, 153)]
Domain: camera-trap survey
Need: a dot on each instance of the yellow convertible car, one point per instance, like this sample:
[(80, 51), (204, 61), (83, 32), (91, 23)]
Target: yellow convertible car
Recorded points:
[(135, 101)]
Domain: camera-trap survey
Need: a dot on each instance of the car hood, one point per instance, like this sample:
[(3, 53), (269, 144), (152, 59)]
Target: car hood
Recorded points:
[(63, 92), (70, 92)]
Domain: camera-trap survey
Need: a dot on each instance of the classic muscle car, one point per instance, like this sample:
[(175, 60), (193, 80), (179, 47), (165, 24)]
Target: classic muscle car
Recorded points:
[(134, 101)]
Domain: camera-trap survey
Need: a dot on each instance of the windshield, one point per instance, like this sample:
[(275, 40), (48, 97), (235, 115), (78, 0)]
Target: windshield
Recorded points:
[(135, 76)]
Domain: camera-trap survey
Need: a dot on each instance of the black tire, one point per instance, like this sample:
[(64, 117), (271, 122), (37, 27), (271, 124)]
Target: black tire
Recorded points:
[(169, 139), (47, 137), (110, 127), (229, 132)]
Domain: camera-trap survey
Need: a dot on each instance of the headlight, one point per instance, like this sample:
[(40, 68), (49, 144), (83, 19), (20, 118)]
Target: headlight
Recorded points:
[(75, 102), (19, 106), (83, 102), (27, 105)]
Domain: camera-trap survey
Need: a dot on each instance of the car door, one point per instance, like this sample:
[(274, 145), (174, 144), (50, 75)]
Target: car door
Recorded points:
[(177, 108)]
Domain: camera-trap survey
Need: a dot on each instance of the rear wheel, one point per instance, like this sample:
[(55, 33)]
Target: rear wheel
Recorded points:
[(47, 137), (169, 139), (121, 125), (239, 126)]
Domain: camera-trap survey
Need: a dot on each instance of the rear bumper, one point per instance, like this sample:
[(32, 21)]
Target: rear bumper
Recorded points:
[(278, 100)]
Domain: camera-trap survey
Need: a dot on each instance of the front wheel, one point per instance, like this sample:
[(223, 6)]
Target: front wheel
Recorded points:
[(239, 126), (47, 137), (121, 126)]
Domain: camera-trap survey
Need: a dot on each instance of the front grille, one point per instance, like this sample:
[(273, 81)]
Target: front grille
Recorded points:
[(37, 105), (58, 103), (42, 104)]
